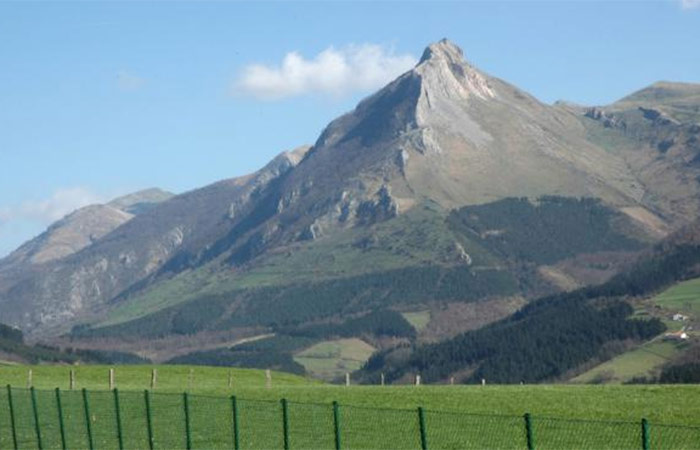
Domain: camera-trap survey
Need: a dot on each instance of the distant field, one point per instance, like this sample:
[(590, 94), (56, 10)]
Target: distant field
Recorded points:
[(635, 363), (419, 320), (660, 404), (330, 359), (684, 297)]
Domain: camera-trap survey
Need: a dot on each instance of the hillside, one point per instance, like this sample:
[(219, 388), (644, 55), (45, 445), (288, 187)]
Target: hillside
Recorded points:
[(550, 338), (679, 308), (14, 351), (448, 191)]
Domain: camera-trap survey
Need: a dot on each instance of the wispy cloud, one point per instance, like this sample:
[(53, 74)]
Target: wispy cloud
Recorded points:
[(127, 81), (48, 210), (333, 71), (690, 4)]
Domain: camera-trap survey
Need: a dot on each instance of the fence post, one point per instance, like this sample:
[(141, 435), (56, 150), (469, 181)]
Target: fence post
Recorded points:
[(12, 416), (154, 378), (61, 425), (30, 374), (645, 434), (285, 423), (149, 419), (421, 425), (35, 412), (336, 424), (72, 379), (119, 419), (528, 432), (111, 379), (234, 410), (88, 419), (188, 436)]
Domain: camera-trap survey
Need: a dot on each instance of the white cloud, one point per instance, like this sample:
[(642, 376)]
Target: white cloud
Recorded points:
[(48, 210), (333, 71), (129, 82), (690, 4)]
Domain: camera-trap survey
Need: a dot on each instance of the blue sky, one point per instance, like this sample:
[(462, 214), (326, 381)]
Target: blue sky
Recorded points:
[(103, 98)]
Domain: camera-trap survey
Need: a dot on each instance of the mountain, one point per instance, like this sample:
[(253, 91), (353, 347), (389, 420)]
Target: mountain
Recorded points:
[(448, 187), (141, 201), (82, 227)]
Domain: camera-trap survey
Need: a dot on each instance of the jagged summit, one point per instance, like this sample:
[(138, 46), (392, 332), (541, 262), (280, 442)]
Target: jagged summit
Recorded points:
[(445, 73), (443, 49)]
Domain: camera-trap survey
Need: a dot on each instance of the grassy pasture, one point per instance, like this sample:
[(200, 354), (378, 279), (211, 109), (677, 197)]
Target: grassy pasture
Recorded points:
[(668, 404), (683, 297), (419, 320), (564, 416), (634, 363), (330, 359)]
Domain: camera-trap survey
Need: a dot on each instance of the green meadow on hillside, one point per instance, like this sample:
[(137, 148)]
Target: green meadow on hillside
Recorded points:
[(684, 297)]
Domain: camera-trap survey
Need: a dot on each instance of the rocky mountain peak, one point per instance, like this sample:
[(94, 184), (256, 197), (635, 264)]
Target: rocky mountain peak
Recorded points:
[(445, 73), (443, 49)]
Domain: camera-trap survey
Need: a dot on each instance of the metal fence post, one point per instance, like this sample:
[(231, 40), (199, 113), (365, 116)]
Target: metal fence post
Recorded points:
[(61, 425), (149, 419), (188, 436), (234, 410), (645, 434), (88, 419), (421, 425), (285, 423), (12, 416), (118, 416), (336, 424), (35, 410), (528, 432)]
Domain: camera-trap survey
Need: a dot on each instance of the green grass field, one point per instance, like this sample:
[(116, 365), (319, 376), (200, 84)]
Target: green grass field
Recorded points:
[(419, 320), (639, 362), (564, 416), (330, 359), (669, 404), (683, 297)]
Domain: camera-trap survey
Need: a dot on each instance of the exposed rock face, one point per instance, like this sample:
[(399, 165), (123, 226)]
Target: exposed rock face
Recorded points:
[(608, 120)]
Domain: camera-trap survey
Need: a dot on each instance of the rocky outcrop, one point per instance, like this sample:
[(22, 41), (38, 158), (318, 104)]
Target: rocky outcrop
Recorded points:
[(607, 119), (382, 207)]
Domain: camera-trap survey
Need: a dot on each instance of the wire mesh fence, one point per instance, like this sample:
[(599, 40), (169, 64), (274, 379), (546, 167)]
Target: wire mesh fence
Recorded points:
[(39, 419)]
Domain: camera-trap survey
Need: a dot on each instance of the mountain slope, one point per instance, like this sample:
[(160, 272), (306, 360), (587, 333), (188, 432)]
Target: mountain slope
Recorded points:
[(141, 247), (81, 228), (551, 337), (365, 207)]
